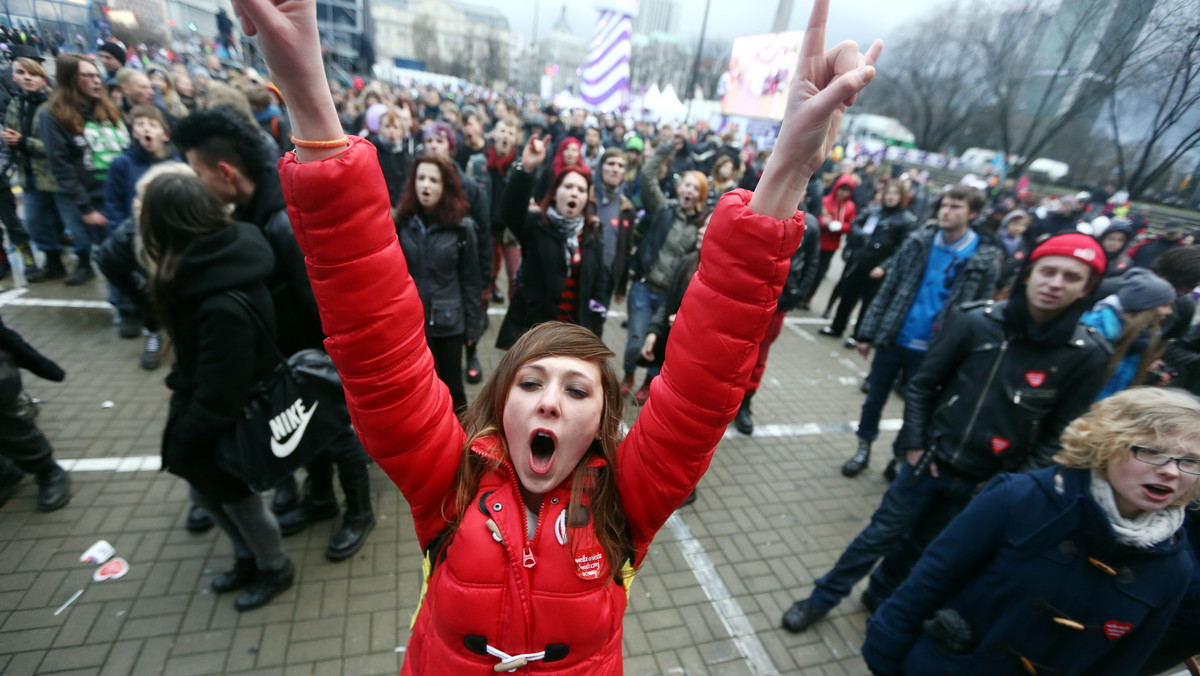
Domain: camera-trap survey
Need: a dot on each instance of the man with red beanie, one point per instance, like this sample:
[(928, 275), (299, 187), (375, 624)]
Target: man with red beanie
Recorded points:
[(998, 386)]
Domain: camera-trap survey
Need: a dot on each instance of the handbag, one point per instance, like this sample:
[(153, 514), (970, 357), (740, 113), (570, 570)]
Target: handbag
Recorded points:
[(292, 415)]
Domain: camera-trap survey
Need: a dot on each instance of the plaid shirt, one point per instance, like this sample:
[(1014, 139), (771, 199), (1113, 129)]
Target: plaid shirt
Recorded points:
[(906, 269)]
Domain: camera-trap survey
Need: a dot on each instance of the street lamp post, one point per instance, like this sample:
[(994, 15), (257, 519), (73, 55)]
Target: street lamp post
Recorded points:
[(696, 62)]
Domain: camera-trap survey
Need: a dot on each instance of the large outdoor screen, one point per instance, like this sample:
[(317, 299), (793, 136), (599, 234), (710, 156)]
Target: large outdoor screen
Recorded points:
[(760, 72)]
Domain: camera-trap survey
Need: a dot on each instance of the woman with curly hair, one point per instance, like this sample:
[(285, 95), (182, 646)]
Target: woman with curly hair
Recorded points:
[(1078, 568)]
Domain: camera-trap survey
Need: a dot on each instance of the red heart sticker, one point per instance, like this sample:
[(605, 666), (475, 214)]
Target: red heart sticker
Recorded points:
[(112, 570), (589, 563), (1035, 378), (1115, 630), (999, 445)]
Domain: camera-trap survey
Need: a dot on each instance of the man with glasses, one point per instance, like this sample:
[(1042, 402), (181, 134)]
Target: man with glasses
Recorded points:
[(999, 384), (935, 268)]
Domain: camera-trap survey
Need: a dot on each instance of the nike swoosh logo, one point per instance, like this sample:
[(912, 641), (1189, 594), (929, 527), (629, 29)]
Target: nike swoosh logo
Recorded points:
[(285, 449)]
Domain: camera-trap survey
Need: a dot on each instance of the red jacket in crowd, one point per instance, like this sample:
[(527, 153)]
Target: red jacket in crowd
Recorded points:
[(842, 212), (499, 594)]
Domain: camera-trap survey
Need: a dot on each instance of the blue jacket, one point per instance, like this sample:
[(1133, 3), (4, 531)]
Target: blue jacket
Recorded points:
[(1014, 560), (121, 183)]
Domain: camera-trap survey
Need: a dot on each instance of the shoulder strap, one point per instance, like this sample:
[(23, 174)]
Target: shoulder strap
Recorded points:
[(243, 300)]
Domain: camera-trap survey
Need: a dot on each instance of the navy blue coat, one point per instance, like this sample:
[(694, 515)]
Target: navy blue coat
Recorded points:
[(1015, 559)]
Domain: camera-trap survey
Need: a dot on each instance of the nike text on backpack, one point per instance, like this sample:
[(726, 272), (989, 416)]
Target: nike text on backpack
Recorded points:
[(292, 415)]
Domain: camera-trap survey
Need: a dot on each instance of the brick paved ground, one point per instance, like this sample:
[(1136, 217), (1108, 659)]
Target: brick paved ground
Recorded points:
[(773, 512)]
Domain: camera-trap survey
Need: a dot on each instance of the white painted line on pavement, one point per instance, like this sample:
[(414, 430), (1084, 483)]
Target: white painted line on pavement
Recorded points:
[(55, 302), (794, 321), (810, 429), (132, 463), (727, 607)]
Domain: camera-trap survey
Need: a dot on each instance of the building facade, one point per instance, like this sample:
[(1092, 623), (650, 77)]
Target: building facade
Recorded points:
[(473, 42)]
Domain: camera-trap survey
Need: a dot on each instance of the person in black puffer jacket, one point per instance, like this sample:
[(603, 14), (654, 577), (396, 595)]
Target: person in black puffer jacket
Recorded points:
[(439, 244), (874, 237), (199, 257)]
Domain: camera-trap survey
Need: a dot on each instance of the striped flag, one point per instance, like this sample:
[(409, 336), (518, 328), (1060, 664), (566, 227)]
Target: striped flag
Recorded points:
[(606, 75)]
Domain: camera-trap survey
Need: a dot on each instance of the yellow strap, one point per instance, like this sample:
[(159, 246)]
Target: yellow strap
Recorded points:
[(426, 572), (627, 573)]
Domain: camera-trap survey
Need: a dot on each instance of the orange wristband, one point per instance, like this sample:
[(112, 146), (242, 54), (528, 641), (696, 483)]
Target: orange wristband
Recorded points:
[(320, 145)]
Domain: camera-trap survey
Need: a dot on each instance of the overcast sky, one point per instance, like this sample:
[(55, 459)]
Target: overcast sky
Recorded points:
[(860, 20)]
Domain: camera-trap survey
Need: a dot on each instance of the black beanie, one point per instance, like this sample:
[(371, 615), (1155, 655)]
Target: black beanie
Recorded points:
[(115, 50)]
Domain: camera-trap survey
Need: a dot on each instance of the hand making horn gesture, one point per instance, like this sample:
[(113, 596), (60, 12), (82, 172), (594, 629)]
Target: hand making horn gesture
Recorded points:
[(825, 84)]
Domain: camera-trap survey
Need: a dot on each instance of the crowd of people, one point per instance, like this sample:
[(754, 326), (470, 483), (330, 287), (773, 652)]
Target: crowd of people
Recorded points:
[(1043, 345)]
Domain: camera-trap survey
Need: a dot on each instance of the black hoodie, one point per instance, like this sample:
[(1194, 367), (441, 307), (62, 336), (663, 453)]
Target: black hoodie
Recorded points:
[(220, 351)]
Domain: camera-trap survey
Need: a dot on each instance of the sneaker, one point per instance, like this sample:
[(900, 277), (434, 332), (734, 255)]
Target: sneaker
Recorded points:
[(128, 326), (150, 353), (850, 344), (498, 296), (53, 269), (829, 332), (801, 616), (82, 274), (862, 457)]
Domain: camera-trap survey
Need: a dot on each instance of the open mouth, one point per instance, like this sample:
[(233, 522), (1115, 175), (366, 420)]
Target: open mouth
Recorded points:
[(571, 204), (541, 451), (1158, 490)]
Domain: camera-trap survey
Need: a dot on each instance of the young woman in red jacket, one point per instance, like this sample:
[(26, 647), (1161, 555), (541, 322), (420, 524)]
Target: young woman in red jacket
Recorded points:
[(532, 515)]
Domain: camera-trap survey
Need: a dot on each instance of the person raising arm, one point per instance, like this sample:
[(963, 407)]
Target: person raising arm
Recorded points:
[(535, 514)]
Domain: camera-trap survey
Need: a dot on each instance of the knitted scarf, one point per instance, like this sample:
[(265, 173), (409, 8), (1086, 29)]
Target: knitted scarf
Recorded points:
[(1143, 531), (570, 229)]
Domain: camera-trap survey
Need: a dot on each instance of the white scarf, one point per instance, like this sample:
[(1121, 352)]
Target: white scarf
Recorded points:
[(1143, 531)]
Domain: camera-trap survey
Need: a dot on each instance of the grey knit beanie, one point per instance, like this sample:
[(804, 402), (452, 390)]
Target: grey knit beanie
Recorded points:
[(1141, 290)]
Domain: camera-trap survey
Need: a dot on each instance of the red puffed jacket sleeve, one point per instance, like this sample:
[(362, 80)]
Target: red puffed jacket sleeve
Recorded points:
[(714, 343), (373, 318)]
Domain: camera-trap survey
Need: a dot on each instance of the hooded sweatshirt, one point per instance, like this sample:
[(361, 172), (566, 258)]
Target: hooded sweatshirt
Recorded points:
[(835, 211)]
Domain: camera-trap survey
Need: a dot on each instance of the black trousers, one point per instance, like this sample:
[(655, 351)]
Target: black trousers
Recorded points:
[(20, 439), (119, 265), (447, 361), (347, 453), (822, 267), (856, 285)]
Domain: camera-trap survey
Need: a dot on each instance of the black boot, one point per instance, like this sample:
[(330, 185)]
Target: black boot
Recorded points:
[(10, 477), (359, 522), (82, 274), (862, 458), (267, 585), (53, 489), (52, 270), (198, 519), (287, 495), (319, 503), (474, 369), (241, 575), (743, 422)]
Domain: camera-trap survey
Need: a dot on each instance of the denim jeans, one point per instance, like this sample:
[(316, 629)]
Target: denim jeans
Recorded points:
[(41, 216), (889, 361), (643, 303), (83, 236), (906, 505)]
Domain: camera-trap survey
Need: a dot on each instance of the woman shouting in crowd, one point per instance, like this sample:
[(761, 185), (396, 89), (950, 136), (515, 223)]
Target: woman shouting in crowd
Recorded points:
[(534, 514), (438, 239)]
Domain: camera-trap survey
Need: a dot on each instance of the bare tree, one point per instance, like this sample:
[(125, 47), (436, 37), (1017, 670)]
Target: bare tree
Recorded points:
[(425, 43), (931, 84), (495, 58), (1048, 70), (1161, 101)]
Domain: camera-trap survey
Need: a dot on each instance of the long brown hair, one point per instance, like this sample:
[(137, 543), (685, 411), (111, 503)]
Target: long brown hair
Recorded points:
[(176, 209), (484, 419), (451, 209), (67, 99), (1133, 324)]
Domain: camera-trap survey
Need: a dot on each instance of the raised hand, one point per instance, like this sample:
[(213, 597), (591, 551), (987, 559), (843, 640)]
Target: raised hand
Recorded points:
[(535, 152), (825, 84), (287, 34)]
